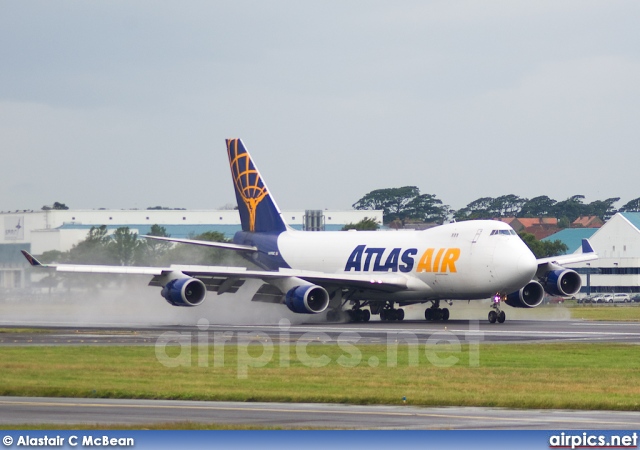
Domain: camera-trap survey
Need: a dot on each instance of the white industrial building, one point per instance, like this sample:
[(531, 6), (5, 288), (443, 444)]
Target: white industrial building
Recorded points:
[(41, 231), (617, 243)]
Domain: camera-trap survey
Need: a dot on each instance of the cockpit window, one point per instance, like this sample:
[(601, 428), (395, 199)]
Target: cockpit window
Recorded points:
[(504, 232)]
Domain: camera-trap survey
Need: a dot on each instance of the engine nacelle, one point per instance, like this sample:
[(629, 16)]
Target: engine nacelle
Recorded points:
[(529, 296), (307, 299), (184, 292), (562, 282)]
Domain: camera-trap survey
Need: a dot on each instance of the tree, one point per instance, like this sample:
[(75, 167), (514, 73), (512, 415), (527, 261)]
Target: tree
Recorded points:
[(200, 255), (477, 209), (571, 208), (403, 203), (365, 224), (543, 249), (602, 208), (632, 206), (56, 205), (427, 208), (124, 247), (93, 249), (507, 206), (541, 206), (152, 250)]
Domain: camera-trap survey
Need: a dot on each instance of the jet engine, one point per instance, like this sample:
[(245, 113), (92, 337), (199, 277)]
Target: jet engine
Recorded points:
[(184, 291), (563, 282), (307, 299), (529, 296)]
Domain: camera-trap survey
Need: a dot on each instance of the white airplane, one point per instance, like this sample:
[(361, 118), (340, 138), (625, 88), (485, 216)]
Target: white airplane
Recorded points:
[(314, 272)]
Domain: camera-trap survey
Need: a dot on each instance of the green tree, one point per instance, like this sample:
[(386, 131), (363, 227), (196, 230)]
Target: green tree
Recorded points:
[(366, 224), (631, 206), (571, 208), (124, 247), (543, 249), (602, 208), (56, 205), (427, 208), (93, 249), (151, 250), (507, 206), (541, 206), (477, 209), (200, 255), (403, 203), (54, 257)]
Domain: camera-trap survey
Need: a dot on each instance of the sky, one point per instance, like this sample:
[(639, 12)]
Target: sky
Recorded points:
[(121, 104)]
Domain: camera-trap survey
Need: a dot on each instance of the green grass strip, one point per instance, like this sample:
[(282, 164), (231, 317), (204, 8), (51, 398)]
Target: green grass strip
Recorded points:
[(612, 313), (580, 376)]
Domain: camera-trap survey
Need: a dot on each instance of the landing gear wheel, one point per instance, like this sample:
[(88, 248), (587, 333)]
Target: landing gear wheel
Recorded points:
[(493, 316), (501, 317), (359, 315), (392, 314), (436, 314)]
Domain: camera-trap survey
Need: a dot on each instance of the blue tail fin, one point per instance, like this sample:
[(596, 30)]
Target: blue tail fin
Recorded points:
[(258, 211)]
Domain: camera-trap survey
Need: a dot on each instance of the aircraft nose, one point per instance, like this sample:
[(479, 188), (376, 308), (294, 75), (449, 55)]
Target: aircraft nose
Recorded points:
[(527, 265)]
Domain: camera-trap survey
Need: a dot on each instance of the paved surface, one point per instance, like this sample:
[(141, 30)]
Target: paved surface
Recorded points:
[(27, 410), (514, 331)]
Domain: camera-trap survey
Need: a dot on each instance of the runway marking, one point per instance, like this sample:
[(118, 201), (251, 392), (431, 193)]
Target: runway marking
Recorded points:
[(319, 411)]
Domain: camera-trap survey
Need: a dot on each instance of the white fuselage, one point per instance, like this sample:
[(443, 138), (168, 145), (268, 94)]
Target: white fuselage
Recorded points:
[(463, 260)]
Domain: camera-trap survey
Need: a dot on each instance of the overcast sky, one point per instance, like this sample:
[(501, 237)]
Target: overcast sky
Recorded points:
[(126, 104)]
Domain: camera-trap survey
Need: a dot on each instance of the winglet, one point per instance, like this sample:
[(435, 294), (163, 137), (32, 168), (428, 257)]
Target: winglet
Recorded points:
[(586, 246), (32, 260)]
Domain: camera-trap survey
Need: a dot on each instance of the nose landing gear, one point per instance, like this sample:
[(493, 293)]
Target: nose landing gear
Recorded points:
[(496, 314)]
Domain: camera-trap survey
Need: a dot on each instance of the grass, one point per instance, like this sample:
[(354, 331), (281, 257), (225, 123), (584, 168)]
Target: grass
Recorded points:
[(594, 376), (26, 330), (606, 313)]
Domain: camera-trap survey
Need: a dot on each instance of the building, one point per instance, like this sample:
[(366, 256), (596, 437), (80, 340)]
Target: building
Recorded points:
[(41, 231), (540, 227), (617, 243)]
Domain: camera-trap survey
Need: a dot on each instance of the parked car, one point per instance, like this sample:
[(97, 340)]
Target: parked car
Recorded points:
[(621, 298), (597, 299), (607, 298), (636, 298)]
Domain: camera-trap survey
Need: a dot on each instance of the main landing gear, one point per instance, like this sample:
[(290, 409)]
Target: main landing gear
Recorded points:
[(496, 314), (434, 312), (386, 311), (359, 315), (389, 314)]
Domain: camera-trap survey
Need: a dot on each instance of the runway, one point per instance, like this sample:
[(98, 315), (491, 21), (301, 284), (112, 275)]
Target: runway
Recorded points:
[(58, 411), (464, 331), (18, 410)]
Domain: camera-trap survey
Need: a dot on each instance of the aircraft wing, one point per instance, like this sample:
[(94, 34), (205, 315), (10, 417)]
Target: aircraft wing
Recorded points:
[(588, 254), (380, 282), (226, 245)]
